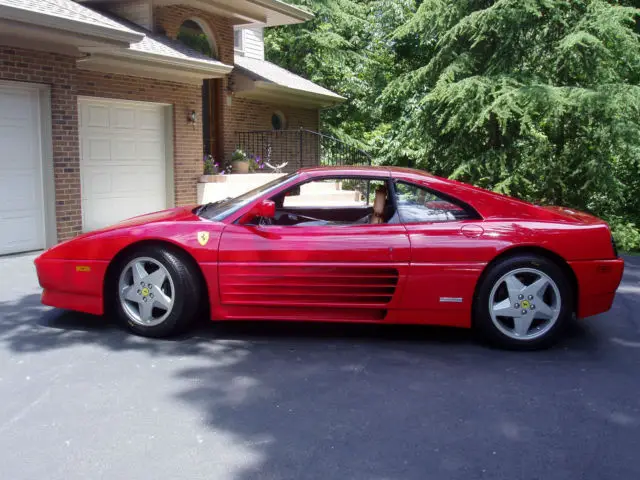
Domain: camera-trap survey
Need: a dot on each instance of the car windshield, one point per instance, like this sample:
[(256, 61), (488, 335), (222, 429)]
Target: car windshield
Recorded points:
[(223, 208)]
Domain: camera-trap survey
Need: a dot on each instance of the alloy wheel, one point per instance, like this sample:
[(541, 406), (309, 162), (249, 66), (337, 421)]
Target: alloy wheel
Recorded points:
[(525, 304), (146, 291)]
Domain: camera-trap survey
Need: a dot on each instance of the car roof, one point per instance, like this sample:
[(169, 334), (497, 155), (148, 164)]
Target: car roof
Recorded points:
[(488, 204), (363, 170)]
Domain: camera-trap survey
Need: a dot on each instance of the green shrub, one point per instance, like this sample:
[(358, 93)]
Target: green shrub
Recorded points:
[(627, 236)]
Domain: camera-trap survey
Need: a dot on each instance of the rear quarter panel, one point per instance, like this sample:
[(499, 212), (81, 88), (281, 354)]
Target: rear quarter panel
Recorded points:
[(448, 259)]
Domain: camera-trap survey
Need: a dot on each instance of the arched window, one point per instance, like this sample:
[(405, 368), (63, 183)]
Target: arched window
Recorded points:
[(196, 35)]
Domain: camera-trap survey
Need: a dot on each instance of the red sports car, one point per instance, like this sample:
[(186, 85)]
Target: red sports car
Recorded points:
[(379, 245)]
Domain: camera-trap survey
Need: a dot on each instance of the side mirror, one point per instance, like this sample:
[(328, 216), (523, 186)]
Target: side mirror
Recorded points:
[(264, 209)]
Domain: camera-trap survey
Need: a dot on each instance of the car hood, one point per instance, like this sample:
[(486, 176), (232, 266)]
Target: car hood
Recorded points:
[(170, 215), (102, 244), (67, 248)]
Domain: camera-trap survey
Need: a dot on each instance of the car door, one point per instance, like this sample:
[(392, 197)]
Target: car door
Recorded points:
[(445, 254), (349, 272)]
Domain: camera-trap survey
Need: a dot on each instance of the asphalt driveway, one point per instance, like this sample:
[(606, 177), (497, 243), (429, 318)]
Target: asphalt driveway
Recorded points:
[(82, 399)]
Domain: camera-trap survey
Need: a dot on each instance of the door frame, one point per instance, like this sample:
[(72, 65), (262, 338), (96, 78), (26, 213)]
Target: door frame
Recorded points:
[(214, 113), (47, 178), (168, 113)]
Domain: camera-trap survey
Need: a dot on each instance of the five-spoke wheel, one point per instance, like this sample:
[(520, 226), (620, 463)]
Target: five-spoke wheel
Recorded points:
[(156, 291), (523, 302), (146, 291)]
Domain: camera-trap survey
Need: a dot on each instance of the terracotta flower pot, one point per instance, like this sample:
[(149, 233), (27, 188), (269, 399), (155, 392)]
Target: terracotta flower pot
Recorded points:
[(240, 166)]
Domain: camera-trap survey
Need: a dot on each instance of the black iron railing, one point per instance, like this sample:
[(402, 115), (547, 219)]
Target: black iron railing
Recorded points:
[(299, 148)]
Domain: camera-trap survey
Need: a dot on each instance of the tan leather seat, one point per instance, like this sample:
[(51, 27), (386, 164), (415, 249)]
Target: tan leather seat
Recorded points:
[(378, 206)]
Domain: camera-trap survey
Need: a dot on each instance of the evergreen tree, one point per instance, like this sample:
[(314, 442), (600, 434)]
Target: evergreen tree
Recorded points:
[(533, 98), (539, 99), (345, 49)]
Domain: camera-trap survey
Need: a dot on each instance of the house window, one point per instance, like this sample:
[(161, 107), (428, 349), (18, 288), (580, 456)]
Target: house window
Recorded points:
[(238, 39), (278, 121), (193, 35)]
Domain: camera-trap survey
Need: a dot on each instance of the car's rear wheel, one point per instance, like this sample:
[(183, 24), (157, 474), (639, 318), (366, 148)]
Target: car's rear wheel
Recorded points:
[(156, 292), (523, 302)]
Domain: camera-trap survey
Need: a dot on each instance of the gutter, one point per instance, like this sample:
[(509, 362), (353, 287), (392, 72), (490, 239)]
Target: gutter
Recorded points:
[(153, 66), (284, 9), (170, 62), (274, 87)]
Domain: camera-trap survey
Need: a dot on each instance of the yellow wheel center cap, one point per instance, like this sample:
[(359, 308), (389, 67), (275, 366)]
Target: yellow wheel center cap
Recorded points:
[(145, 292), (525, 304)]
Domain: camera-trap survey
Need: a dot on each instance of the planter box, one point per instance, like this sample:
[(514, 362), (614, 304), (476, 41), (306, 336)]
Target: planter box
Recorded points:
[(213, 178)]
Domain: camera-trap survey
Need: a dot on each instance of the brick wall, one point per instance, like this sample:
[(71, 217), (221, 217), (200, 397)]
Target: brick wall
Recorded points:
[(241, 114), (246, 115), (168, 19), (66, 84)]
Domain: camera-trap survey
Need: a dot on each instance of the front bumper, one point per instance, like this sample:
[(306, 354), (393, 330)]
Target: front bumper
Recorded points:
[(72, 284), (598, 281)]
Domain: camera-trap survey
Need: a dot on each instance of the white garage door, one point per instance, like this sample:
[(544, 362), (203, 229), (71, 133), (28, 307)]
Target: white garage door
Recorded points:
[(123, 160), (21, 204)]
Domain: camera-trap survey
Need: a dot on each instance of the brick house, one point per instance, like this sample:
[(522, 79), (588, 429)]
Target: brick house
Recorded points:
[(107, 107)]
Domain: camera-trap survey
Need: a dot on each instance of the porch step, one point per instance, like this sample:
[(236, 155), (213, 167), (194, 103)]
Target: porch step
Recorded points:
[(320, 187)]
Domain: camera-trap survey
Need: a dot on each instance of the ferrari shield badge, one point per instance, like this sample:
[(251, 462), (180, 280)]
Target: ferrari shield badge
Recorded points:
[(203, 238)]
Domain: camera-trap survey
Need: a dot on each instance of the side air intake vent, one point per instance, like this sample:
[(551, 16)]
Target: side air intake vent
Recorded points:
[(314, 285)]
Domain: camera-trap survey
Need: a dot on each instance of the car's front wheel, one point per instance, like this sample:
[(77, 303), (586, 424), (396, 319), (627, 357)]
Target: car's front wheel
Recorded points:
[(156, 292), (523, 302)]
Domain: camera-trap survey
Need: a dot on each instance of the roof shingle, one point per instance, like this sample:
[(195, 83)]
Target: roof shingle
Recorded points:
[(270, 72), (68, 10), (158, 44)]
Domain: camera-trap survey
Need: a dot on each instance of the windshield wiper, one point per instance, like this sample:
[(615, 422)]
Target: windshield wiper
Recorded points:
[(204, 207)]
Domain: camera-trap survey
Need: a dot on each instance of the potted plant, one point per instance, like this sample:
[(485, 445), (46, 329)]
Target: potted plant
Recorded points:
[(256, 164), (212, 170), (239, 162)]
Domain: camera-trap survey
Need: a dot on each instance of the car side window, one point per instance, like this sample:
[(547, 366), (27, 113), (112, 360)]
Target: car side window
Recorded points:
[(416, 204), (334, 201), (332, 192)]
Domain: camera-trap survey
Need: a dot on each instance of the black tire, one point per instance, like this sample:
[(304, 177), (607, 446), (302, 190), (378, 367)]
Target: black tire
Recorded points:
[(482, 322), (186, 295)]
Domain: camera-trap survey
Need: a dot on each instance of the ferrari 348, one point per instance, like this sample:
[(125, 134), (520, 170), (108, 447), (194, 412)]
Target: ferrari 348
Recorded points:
[(346, 244)]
